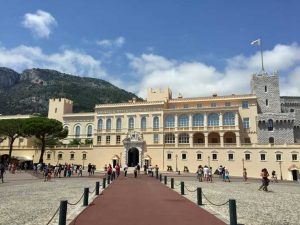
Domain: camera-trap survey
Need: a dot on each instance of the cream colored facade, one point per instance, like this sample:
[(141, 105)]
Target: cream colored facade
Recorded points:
[(170, 132)]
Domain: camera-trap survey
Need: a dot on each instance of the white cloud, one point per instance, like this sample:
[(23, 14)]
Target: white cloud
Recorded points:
[(67, 61), (198, 79), (39, 23), (118, 42)]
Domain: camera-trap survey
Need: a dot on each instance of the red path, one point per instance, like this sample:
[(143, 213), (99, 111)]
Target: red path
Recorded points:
[(143, 201)]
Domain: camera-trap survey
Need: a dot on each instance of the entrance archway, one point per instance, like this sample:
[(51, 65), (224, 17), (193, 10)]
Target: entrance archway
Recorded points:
[(295, 175), (133, 157)]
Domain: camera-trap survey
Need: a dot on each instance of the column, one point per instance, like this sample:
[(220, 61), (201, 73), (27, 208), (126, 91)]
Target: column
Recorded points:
[(238, 139), (222, 139), (206, 139), (221, 121), (176, 122), (176, 140), (236, 120), (205, 121), (191, 140), (190, 121)]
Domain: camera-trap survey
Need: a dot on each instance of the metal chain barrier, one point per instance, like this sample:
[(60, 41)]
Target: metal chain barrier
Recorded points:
[(214, 203), (190, 190), (77, 201), (53, 216), (91, 192), (176, 184)]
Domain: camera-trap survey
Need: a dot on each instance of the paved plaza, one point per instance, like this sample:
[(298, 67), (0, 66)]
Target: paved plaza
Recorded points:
[(26, 199)]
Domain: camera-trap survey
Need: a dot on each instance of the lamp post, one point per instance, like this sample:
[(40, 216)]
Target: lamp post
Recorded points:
[(208, 158), (120, 158), (176, 162), (280, 170), (243, 161)]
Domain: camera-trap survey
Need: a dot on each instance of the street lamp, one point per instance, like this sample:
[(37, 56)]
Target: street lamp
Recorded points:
[(208, 158), (243, 161), (176, 162), (280, 170)]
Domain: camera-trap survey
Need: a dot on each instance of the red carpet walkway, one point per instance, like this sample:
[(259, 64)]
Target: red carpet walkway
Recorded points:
[(143, 201)]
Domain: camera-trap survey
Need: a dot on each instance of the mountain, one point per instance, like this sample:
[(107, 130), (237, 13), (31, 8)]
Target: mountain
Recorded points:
[(30, 91)]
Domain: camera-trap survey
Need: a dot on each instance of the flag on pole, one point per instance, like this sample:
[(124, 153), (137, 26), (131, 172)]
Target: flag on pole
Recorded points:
[(256, 42)]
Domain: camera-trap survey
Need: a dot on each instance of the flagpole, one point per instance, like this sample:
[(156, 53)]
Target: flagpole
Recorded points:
[(262, 57)]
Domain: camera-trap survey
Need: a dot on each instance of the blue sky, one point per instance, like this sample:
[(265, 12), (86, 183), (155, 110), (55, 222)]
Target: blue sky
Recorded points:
[(194, 47)]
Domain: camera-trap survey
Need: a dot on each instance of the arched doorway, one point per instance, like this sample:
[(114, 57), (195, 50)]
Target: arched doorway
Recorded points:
[(133, 157), (213, 138), (229, 137), (295, 174)]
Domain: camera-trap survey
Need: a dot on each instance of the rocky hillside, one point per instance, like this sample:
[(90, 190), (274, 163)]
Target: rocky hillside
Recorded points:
[(29, 92)]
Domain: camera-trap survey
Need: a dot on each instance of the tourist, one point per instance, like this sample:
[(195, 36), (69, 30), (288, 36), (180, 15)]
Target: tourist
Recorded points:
[(138, 168), (135, 171), (93, 169), (245, 178), (2, 171), (226, 177), (80, 171), (145, 168), (59, 170), (56, 168), (205, 172), (113, 173), (125, 170), (210, 174), (274, 176), (220, 171), (90, 169), (156, 170), (200, 173), (118, 170), (265, 181), (25, 166), (109, 172), (150, 170), (46, 171)]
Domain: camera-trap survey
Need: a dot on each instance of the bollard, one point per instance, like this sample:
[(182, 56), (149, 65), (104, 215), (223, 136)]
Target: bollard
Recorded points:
[(199, 196), (166, 179), (182, 187), (63, 212), (178, 172), (156, 174), (104, 183), (232, 212), (160, 177), (172, 183), (86, 197), (97, 188)]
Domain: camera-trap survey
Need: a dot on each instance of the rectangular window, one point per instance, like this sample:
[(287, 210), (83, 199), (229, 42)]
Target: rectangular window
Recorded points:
[(262, 157), (48, 156), (155, 138), (227, 104), (214, 156), (245, 105), (118, 139), (169, 156), (247, 157), (59, 156), (246, 123), (83, 155), (278, 157), (199, 156), (230, 156), (183, 156), (99, 139), (213, 104), (72, 156), (185, 106), (199, 105), (294, 157), (107, 139)]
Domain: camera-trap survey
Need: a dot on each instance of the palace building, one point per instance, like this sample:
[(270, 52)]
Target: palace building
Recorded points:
[(252, 131)]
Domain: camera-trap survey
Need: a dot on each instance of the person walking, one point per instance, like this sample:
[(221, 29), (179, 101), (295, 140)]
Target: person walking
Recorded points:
[(125, 170), (109, 172), (274, 176), (156, 170), (80, 171), (210, 174), (135, 171), (200, 173), (226, 178), (46, 171), (205, 171), (118, 170), (145, 168), (138, 168), (265, 181), (245, 177), (90, 169), (2, 171)]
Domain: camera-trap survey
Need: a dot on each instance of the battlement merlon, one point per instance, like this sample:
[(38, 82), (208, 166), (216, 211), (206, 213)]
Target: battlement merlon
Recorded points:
[(158, 94)]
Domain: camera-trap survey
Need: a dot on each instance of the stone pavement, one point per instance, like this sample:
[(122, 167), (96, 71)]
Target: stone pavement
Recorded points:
[(143, 200)]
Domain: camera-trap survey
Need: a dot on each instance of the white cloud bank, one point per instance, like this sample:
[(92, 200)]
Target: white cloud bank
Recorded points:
[(198, 79), (40, 23), (118, 42), (67, 61)]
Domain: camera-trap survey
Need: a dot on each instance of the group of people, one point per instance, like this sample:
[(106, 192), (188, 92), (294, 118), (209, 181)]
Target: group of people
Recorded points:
[(204, 173)]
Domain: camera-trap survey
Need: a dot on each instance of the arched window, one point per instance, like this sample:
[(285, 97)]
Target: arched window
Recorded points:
[(228, 119), (77, 131), (170, 138), (119, 124), (270, 125), (108, 124), (156, 122), (170, 121), (89, 130), (100, 124), (213, 119), (66, 127), (198, 120), (271, 140), (131, 123), (183, 121), (183, 138), (143, 123)]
